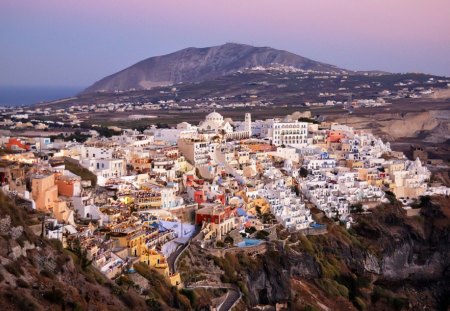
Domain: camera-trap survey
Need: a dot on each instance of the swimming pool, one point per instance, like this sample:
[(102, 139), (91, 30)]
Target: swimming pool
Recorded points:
[(249, 242), (316, 225)]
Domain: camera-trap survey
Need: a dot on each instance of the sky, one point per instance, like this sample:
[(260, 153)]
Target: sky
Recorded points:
[(77, 42)]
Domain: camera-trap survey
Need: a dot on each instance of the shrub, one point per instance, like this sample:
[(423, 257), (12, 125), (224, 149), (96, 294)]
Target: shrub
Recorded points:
[(303, 172), (220, 244), (77, 169), (22, 283), (360, 304), (262, 234), (250, 230), (229, 240), (190, 295), (129, 300), (55, 296), (153, 304), (22, 301), (356, 208), (307, 245), (56, 244), (14, 268), (333, 288), (396, 302), (47, 274)]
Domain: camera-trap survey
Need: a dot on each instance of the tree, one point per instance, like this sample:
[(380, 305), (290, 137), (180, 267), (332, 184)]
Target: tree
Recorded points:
[(356, 208), (250, 230), (303, 172), (262, 235), (77, 249), (228, 240)]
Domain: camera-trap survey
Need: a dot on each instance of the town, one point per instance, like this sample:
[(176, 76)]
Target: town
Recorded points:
[(165, 105), (143, 197)]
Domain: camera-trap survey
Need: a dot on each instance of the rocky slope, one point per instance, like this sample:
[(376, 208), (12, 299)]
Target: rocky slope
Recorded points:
[(433, 126), (199, 64), (386, 262), (38, 274)]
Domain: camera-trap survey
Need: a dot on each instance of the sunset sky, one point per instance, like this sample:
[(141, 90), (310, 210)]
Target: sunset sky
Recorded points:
[(76, 42)]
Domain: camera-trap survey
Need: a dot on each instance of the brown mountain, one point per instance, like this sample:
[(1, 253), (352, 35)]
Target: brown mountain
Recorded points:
[(200, 64)]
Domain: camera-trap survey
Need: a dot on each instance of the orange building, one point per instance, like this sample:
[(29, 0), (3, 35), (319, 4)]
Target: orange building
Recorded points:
[(16, 144), (335, 136), (68, 186), (44, 191)]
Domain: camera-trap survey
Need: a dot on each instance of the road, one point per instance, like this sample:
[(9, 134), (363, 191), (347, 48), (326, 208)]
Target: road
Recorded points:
[(173, 257), (233, 294), (232, 297)]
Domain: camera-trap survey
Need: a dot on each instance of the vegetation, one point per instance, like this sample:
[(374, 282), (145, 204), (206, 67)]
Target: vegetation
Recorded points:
[(77, 136), (309, 120), (356, 208), (228, 240), (78, 170), (384, 295), (262, 235), (14, 268), (55, 296), (105, 132), (161, 293), (268, 218), (220, 244), (51, 267), (391, 197), (81, 254), (251, 230)]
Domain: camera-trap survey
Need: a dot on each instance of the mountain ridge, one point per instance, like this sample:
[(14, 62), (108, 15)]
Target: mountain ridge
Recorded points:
[(199, 64)]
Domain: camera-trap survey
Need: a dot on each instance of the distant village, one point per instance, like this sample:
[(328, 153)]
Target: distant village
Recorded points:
[(142, 197), (48, 117)]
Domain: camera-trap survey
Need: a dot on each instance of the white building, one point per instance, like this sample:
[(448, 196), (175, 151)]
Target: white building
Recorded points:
[(214, 122), (288, 133), (196, 152)]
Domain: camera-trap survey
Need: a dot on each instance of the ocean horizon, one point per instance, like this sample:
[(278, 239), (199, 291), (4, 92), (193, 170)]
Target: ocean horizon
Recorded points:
[(29, 95)]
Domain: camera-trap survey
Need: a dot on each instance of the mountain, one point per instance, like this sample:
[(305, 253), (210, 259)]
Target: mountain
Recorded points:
[(200, 64)]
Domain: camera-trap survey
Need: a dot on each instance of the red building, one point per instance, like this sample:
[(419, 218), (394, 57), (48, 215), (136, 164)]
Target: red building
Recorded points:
[(214, 213), (199, 196), (16, 144), (335, 136)]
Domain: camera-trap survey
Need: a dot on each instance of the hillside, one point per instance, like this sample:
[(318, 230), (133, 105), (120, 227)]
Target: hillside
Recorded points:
[(38, 274), (388, 261), (201, 64)]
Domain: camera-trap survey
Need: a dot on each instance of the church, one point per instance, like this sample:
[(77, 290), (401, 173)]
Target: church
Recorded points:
[(214, 123)]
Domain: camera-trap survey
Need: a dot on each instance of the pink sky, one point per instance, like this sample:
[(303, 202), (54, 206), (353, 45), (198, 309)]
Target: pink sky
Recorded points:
[(393, 35)]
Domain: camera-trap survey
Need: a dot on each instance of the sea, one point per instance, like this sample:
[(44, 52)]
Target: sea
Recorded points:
[(29, 95)]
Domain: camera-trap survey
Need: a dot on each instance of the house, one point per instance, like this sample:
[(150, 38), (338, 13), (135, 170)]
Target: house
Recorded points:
[(219, 219)]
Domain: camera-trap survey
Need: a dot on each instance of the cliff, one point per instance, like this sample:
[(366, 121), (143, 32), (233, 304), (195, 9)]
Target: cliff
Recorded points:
[(388, 261)]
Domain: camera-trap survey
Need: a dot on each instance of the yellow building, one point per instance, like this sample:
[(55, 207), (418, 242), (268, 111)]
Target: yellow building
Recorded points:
[(157, 261), (396, 167), (261, 204), (134, 239), (44, 191), (352, 164)]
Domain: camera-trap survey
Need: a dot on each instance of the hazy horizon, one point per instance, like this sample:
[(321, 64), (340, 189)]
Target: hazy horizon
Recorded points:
[(75, 43), (23, 95)]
